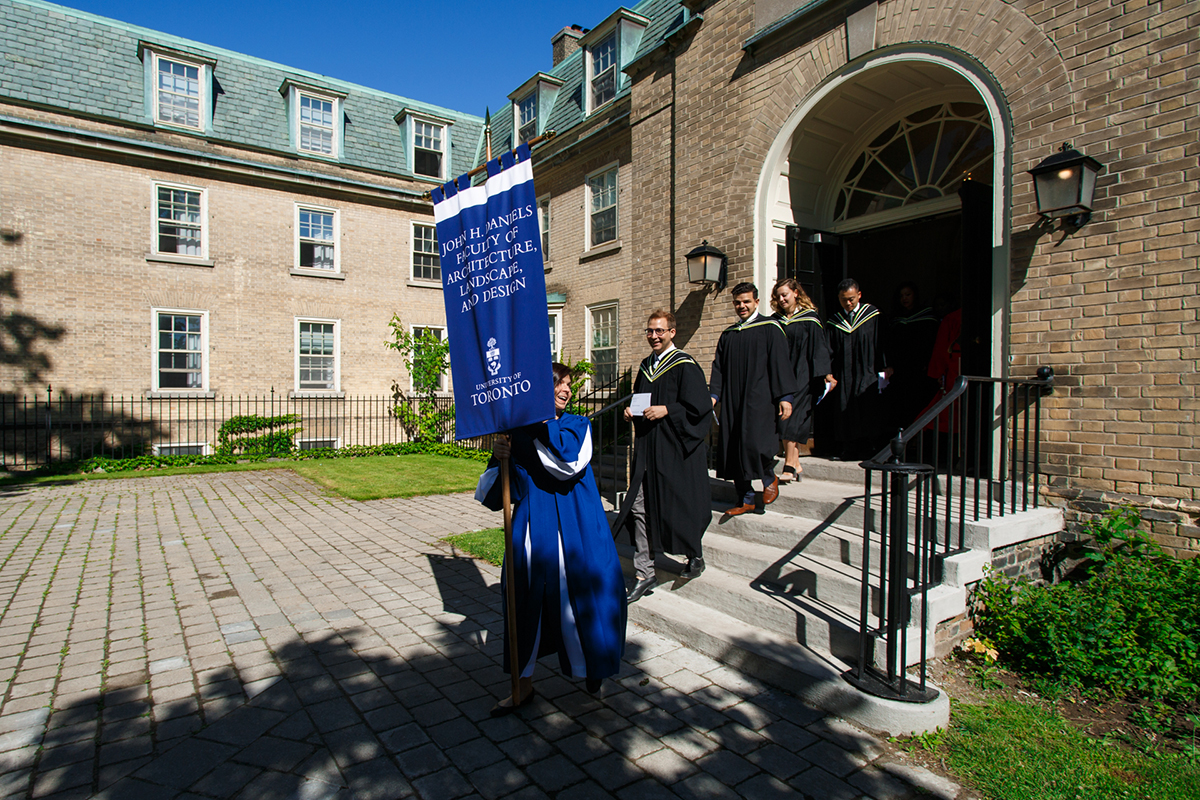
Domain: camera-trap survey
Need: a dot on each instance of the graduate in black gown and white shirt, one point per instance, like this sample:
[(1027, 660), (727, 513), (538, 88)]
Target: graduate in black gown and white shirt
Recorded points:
[(668, 501), (858, 362), (753, 381)]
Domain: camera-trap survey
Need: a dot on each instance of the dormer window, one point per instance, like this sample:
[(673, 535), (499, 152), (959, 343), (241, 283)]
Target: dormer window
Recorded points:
[(428, 148), (177, 94), (527, 122), (314, 118), (316, 124), (427, 143), (604, 71), (532, 104), (179, 88), (608, 48)]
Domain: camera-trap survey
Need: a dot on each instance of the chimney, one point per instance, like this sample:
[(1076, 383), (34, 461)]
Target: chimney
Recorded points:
[(566, 42)]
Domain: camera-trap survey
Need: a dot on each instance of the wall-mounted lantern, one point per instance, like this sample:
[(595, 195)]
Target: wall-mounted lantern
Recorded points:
[(1065, 184), (706, 265)]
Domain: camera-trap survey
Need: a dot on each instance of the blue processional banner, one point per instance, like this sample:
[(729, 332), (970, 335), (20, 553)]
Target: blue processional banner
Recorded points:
[(494, 286)]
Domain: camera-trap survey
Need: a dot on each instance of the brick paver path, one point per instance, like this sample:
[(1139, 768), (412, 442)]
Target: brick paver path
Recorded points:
[(248, 635)]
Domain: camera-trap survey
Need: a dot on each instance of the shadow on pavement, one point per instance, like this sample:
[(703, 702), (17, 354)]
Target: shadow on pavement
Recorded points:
[(339, 721)]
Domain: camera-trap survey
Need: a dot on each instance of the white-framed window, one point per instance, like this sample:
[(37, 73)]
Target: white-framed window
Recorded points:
[(602, 207), (544, 224), (333, 443), (426, 263), (315, 119), (317, 133), (180, 350), (317, 348), (602, 71), (179, 217), (555, 319), (179, 94), (183, 449), (429, 149), (439, 333), (527, 117), (427, 142), (317, 238), (602, 342)]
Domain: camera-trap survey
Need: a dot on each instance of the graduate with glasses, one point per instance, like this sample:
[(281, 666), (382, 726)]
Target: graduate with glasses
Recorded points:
[(668, 499)]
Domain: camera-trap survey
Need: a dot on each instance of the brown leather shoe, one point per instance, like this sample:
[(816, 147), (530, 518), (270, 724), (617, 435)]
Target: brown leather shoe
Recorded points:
[(742, 509), (771, 492)]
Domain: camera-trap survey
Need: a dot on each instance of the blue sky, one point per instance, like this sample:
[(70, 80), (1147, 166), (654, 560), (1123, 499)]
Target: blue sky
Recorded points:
[(462, 54)]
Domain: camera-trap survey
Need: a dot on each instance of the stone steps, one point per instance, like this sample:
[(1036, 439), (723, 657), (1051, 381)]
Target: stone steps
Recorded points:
[(782, 591)]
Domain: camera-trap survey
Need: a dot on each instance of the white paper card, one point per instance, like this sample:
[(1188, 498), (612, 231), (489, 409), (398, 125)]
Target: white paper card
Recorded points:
[(639, 403), (828, 388), (883, 381)]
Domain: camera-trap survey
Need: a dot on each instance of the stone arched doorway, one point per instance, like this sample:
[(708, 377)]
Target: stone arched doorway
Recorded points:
[(895, 169)]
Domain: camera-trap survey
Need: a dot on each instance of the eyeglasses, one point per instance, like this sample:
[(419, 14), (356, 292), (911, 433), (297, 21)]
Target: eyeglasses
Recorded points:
[(658, 331)]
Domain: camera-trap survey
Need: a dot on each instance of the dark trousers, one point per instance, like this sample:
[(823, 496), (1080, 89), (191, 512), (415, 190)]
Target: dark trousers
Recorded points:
[(744, 487)]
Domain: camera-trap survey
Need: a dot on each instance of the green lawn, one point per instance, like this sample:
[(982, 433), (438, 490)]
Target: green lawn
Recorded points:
[(366, 478), (487, 544), (375, 477), (1021, 751)]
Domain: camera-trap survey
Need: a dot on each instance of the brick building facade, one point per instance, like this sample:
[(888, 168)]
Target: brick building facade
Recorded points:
[(883, 140), (746, 121), (190, 222)]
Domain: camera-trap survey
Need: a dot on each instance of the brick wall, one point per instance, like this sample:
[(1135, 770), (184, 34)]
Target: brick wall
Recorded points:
[(80, 270), (1111, 307)]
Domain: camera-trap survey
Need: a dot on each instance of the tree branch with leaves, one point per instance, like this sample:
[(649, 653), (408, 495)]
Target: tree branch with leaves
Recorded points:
[(427, 359)]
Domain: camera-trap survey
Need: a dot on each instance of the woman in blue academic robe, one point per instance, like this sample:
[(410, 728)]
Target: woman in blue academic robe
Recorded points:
[(570, 593)]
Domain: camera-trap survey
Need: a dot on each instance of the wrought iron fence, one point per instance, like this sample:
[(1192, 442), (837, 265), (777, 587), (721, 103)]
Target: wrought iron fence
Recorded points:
[(972, 455), (38, 431)]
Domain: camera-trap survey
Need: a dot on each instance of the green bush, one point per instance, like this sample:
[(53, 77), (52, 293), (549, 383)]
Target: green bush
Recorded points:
[(1131, 626), (240, 434), (161, 462)]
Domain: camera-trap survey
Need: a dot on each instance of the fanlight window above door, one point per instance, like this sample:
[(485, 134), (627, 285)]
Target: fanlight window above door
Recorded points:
[(924, 156)]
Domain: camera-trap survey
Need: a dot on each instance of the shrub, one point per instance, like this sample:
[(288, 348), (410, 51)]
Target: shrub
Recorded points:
[(161, 462), (240, 434), (1132, 625), (427, 358)]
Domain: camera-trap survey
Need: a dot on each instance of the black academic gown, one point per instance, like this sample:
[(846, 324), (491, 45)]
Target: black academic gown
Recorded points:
[(809, 354), (857, 359), (750, 375), (908, 348), (671, 457)]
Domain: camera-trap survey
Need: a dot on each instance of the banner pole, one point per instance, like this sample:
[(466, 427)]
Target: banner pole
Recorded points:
[(487, 135), (510, 596)]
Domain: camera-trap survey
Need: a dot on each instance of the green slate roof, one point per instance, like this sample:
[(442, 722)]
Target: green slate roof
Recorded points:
[(85, 64), (666, 16)]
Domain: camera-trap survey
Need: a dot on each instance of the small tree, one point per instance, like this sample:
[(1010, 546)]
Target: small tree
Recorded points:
[(427, 358)]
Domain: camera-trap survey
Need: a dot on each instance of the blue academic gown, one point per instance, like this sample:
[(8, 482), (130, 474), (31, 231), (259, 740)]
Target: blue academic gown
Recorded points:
[(570, 601)]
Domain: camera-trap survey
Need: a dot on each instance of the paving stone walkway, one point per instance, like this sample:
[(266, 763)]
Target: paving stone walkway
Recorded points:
[(246, 635)]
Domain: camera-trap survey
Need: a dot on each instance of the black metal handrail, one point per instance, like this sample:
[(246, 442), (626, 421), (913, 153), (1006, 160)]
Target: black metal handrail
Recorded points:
[(917, 514), (612, 436)]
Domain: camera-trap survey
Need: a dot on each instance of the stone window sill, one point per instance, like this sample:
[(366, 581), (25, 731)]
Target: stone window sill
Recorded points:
[(600, 251), (424, 285), (167, 258), (310, 395), (167, 395), (318, 273)]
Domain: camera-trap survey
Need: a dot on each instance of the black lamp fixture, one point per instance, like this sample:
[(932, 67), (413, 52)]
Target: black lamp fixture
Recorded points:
[(706, 265), (1065, 184)]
